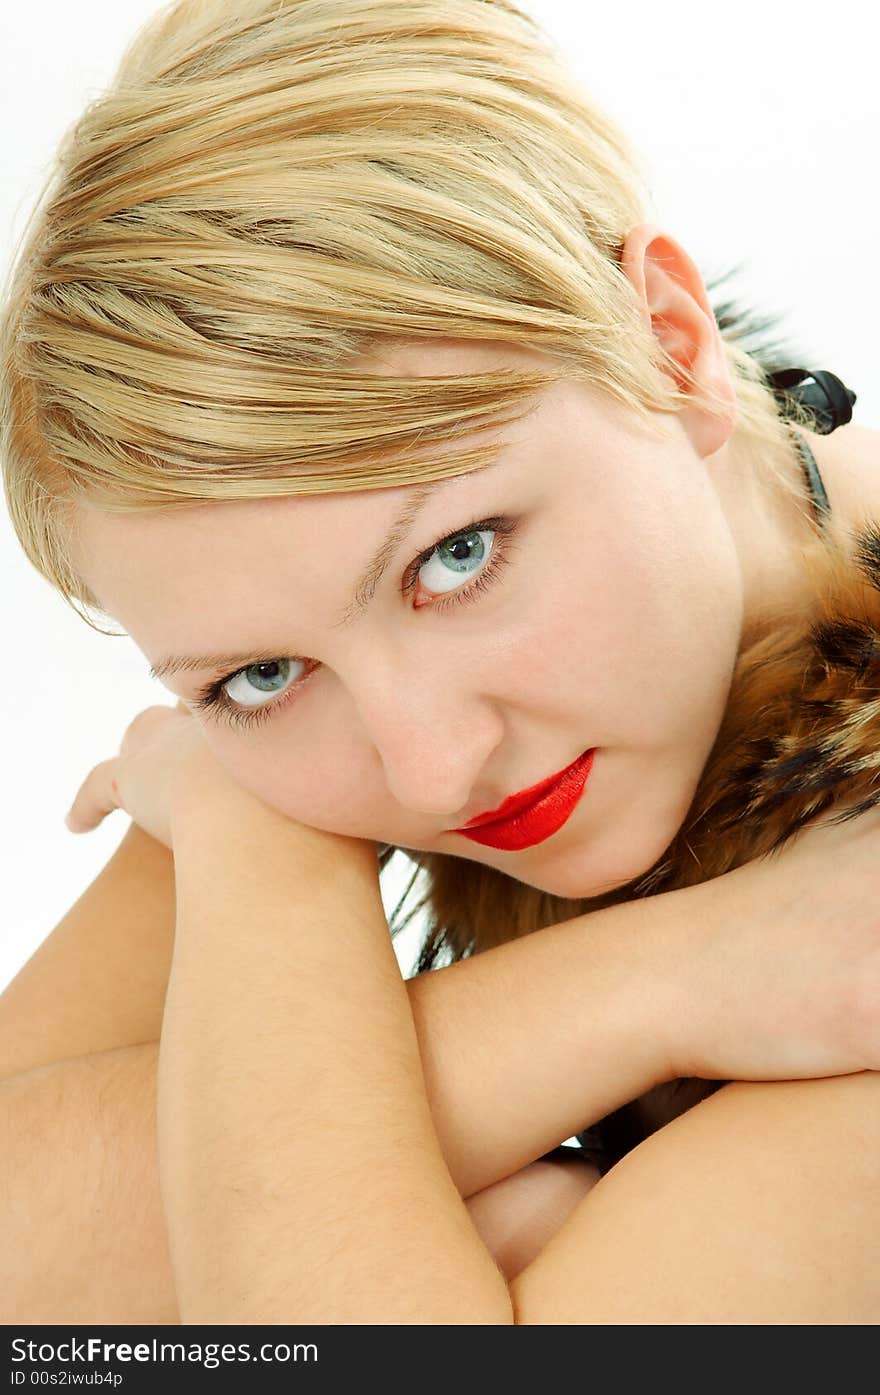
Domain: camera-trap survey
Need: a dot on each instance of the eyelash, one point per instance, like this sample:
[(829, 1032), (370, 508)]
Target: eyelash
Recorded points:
[(213, 699)]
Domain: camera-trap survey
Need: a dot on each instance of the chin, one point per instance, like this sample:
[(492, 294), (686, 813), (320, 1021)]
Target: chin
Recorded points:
[(595, 871), (574, 888)]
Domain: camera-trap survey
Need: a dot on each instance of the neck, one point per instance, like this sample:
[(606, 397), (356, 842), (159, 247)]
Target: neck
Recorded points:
[(771, 514)]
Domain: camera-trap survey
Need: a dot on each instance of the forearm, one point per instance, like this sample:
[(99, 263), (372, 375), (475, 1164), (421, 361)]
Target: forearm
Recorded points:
[(563, 1013), (528, 1043), (301, 1174), (98, 981)]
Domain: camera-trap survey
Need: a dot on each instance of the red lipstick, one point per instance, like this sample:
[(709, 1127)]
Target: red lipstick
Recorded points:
[(534, 814)]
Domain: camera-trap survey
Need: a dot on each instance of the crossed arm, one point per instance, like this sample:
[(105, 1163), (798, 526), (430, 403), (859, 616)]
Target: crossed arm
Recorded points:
[(756, 1206), (554, 1006)]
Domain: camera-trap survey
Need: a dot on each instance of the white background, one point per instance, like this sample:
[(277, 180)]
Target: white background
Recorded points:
[(759, 123)]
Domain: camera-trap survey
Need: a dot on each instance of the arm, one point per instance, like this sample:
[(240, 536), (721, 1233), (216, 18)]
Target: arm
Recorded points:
[(97, 982), (532, 1041), (760, 1202), (757, 1206), (765, 1193), (301, 1175), (566, 1005)]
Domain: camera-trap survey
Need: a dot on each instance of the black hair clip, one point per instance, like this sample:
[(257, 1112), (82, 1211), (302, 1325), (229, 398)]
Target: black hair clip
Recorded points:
[(824, 393)]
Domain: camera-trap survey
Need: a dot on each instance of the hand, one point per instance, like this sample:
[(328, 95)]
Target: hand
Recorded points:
[(774, 967), (165, 767), (159, 747)]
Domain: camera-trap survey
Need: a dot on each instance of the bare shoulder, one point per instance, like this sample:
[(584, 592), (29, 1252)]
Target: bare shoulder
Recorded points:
[(787, 1133), (840, 1113), (758, 1205)]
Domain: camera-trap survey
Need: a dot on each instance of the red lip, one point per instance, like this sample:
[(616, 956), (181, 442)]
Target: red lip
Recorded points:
[(534, 814)]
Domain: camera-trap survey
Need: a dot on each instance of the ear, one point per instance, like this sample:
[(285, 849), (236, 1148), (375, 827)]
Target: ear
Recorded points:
[(676, 307)]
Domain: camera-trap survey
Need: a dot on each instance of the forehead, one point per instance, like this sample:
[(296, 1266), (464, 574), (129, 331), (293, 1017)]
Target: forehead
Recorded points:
[(142, 565)]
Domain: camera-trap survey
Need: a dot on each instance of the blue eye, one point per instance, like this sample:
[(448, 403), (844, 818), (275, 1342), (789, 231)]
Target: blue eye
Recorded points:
[(270, 683), (457, 555)]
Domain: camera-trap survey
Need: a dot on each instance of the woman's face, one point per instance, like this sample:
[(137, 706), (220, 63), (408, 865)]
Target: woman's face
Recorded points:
[(601, 609)]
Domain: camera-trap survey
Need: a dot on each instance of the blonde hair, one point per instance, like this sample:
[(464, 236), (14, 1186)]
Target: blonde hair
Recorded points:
[(267, 191)]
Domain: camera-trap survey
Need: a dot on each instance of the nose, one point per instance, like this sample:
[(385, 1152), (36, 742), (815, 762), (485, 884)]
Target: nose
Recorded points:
[(434, 734)]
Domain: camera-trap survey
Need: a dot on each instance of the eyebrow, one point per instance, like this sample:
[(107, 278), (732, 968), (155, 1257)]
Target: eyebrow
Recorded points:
[(363, 594)]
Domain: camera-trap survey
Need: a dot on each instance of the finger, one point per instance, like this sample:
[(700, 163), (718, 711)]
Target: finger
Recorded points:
[(97, 796)]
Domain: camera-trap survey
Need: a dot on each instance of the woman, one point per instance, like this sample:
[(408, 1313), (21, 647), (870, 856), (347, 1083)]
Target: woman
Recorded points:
[(274, 265)]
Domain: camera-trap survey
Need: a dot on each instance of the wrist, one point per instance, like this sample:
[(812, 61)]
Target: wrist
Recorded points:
[(201, 788), (648, 946), (688, 997), (218, 823)]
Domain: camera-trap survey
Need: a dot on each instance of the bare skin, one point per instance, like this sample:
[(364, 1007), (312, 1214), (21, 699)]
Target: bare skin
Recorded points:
[(98, 1109), (545, 1291), (87, 1242)]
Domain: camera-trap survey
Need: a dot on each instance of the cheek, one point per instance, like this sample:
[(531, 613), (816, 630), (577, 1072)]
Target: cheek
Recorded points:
[(641, 638), (587, 621)]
